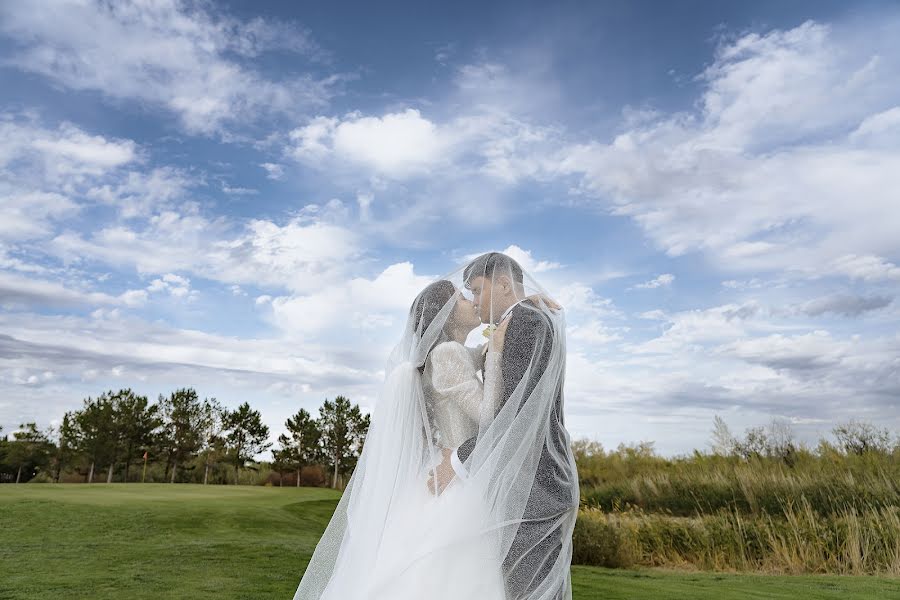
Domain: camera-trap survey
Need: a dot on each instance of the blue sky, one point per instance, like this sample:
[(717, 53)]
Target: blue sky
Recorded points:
[(245, 198)]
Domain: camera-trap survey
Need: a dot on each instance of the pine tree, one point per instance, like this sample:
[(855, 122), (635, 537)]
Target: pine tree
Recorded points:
[(213, 423), (183, 427), (95, 432), (301, 445), (137, 422), (246, 437), (343, 428), (28, 451)]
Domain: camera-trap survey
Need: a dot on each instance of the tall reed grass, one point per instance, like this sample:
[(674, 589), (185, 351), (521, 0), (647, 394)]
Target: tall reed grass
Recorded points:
[(797, 540), (816, 511)]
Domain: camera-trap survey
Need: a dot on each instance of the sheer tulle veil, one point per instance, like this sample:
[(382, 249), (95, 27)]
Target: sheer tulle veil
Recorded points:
[(519, 464)]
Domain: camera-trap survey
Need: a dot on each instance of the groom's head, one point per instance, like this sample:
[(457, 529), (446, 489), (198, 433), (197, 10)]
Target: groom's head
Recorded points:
[(496, 283)]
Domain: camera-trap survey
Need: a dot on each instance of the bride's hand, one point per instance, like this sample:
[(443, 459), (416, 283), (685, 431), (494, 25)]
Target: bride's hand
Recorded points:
[(498, 335), (550, 302), (442, 474)]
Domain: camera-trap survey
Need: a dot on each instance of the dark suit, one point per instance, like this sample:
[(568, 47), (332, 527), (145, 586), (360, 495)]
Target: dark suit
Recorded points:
[(529, 340)]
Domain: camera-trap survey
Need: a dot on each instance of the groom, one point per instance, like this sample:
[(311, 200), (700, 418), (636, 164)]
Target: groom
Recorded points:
[(496, 282)]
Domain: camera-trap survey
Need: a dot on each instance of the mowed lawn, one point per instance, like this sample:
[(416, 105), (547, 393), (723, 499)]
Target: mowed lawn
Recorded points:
[(158, 541)]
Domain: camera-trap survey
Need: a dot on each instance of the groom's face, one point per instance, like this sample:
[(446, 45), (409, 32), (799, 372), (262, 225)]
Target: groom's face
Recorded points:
[(481, 297)]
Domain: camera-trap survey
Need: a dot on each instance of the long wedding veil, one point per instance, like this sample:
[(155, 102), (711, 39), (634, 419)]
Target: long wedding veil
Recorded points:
[(519, 458)]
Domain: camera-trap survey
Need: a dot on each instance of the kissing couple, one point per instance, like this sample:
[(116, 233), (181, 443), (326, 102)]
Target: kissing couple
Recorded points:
[(466, 486)]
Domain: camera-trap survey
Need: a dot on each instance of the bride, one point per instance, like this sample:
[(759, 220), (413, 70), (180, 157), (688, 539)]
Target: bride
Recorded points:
[(399, 534)]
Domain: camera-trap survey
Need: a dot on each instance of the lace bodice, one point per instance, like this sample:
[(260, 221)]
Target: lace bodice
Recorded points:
[(460, 399), (455, 391)]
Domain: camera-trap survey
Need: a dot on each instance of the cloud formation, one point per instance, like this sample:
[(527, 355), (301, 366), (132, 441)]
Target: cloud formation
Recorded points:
[(791, 157), (182, 56)]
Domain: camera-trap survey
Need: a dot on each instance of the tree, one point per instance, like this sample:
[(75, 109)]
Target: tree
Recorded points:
[(781, 441), (213, 423), (723, 442), (95, 432), (773, 441), (860, 438), (755, 443), (246, 437), (183, 426), (65, 446), (136, 423), (343, 429), (301, 445), (29, 450), (281, 461), (4, 444)]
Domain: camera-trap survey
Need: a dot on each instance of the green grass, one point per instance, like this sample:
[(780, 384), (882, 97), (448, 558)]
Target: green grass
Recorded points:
[(186, 541), (592, 583)]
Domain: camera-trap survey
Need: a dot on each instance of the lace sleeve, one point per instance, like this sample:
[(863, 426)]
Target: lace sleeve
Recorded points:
[(454, 377)]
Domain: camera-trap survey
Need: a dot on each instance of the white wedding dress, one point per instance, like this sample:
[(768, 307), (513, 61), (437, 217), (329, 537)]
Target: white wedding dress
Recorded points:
[(436, 548)]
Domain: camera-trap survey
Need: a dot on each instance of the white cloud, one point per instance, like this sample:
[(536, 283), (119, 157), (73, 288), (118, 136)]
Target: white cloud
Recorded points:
[(273, 170), (580, 298), (180, 56), (690, 330), (65, 155), (844, 304), (239, 191), (74, 345), (791, 159), (397, 144), (299, 255), (663, 280), (525, 88), (594, 333), (737, 360), (49, 175), (487, 143), (814, 351), (174, 285), (879, 126), (444, 52), (867, 268), (589, 316), (143, 193), (527, 262), (394, 144), (345, 306), (28, 215), (302, 254), (491, 135), (18, 291), (84, 153), (134, 298)]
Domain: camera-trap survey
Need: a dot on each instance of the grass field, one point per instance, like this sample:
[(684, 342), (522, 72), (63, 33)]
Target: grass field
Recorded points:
[(159, 541)]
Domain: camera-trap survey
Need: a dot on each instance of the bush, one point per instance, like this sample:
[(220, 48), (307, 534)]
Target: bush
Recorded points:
[(42, 477), (311, 476), (597, 542)]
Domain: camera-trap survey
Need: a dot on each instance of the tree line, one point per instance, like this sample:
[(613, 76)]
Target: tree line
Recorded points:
[(179, 437)]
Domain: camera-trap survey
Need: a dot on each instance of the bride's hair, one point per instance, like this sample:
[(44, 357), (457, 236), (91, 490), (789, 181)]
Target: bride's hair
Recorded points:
[(426, 307), (424, 310)]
